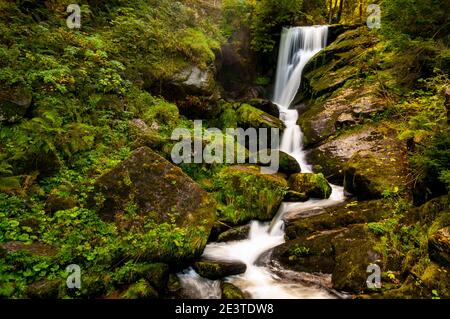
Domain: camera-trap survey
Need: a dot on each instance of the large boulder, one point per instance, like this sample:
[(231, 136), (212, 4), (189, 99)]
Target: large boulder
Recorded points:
[(343, 252), (14, 103), (146, 188), (312, 185), (245, 193), (368, 176), (236, 233), (219, 269), (331, 156), (266, 106)]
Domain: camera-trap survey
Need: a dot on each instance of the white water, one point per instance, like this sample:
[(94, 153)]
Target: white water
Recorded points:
[(298, 46)]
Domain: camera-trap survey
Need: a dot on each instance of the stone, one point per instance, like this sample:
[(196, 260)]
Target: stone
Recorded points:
[(439, 247), (236, 233), (312, 185), (251, 117), (230, 291), (146, 187), (14, 103), (219, 269)]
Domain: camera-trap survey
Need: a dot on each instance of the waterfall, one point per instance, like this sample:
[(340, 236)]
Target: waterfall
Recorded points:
[(298, 46)]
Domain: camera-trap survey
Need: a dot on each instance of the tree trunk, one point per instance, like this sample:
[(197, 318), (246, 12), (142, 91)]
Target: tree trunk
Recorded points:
[(331, 12), (341, 4)]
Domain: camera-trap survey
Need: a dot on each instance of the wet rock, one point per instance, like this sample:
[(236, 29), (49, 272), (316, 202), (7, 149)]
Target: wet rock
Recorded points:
[(312, 185), (158, 192), (251, 117), (230, 291), (236, 233), (293, 196), (287, 164), (439, 247), (14, 103), (308, 254), (219, 269), (244, 194)]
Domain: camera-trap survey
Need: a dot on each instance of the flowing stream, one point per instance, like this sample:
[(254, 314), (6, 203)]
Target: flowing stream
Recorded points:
[(264, 279)]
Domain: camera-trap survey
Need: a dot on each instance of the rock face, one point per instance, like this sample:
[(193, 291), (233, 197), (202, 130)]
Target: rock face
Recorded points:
[(244, 193), (146, 187), (312, 185), (219, 269), (379, 142), (14, 104)]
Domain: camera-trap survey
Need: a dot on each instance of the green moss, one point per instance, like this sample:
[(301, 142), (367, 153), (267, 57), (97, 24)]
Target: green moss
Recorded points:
[(246, 194)]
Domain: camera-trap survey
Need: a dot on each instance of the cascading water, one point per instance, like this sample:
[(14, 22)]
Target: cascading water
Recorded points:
[(267, 280)]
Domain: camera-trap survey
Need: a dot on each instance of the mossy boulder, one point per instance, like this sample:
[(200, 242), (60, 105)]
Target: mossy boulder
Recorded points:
[(312, 185), (439, 247), (369, 177), (308, 254), (245, 193), (293, 196), (219, 269), (14, 103), (46, 289), (146, 188), (230, 291), (343, 252), (287, 163), (140, 290), (143, 135), (236, 233), (380, 141), (157, 274), (251, 117), (342, 215), (265, 105)]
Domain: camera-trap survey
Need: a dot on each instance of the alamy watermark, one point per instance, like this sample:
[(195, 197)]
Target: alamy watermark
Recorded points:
[(74, 279), (73, 21), (374, 18), (234, 146), (374, 279)]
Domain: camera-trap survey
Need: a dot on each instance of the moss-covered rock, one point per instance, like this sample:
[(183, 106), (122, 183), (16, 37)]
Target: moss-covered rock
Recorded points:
[(312, 185), (265, 105), (236, 233), (343, 215), (287, 163), (439, 247), (245, 193), (293, 196), (143, 135), (146, 188), (331, 157), (230, 291), (14, 103), (369, 177), (219, 269), (140, 290), (157, 274), (251, 117), (46, 289)]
